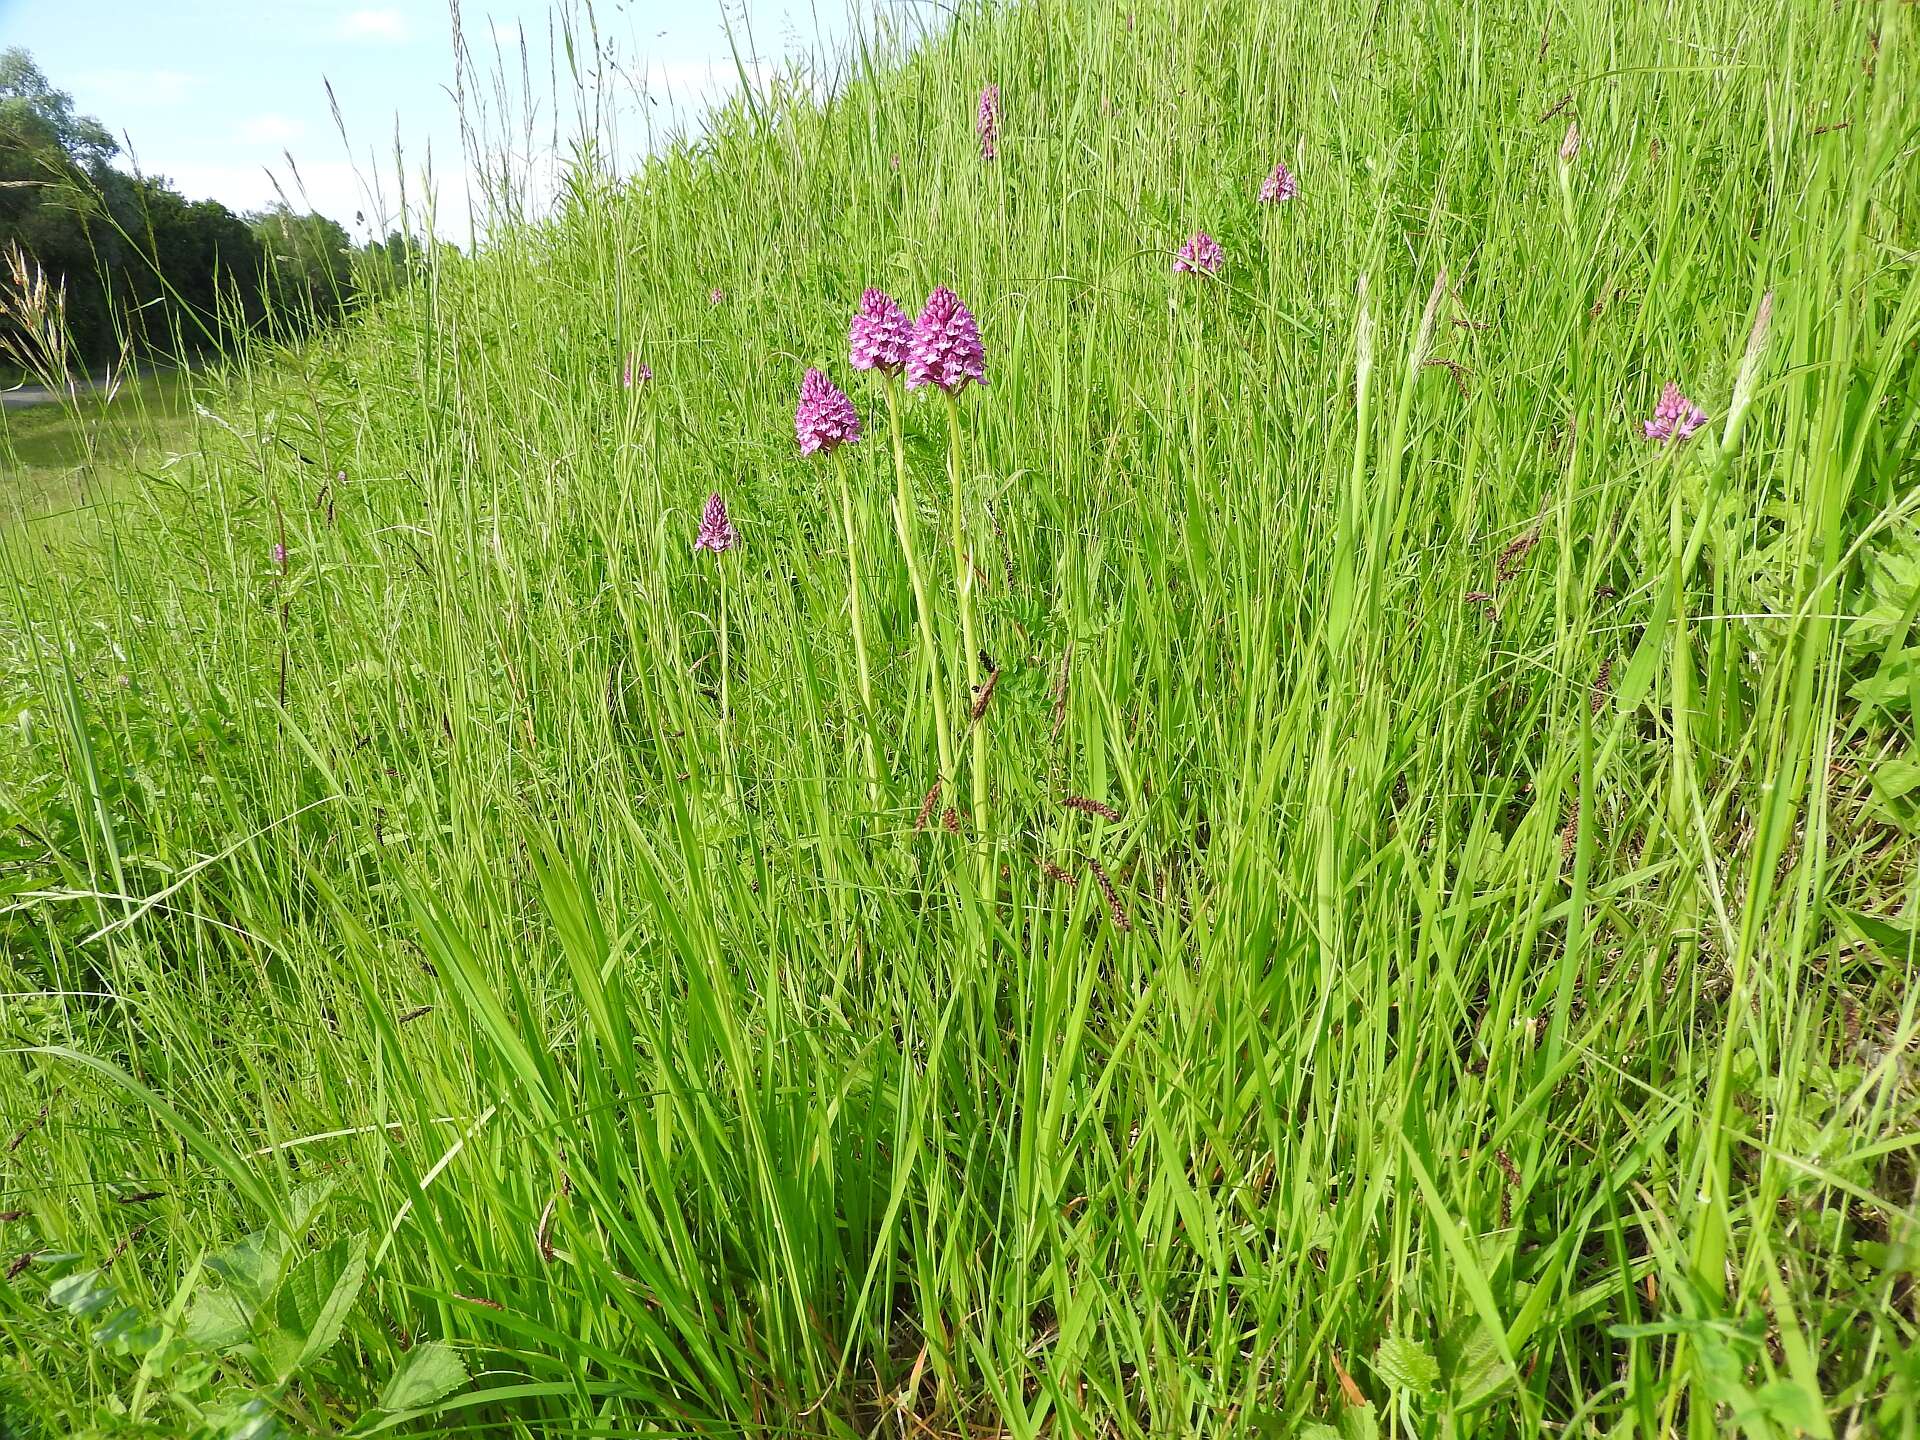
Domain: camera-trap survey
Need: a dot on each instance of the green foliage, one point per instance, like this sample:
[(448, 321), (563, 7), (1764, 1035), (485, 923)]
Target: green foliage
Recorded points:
[(1436, 955), (142, 270), (240, 1359)]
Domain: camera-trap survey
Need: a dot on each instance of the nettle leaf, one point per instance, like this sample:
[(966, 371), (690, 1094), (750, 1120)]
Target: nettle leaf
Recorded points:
[(219, 1319), (252, 1266), (1359, 1422), (432, 1372), (313, 1303), (304, 1204), (1406, 1366)]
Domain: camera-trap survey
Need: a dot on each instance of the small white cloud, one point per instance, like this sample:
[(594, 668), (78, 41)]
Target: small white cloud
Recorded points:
[(271, 129), (147, 87), (383, 24)]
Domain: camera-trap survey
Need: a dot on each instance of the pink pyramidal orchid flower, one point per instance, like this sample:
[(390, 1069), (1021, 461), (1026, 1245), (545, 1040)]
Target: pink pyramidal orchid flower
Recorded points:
[(1675, 417), (1279, 185), (946, 349), (1201, 253), (825, 419), (716, 530), (988, 122), (880, 334)]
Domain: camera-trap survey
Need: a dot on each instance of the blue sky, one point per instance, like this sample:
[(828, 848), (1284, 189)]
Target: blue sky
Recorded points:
[(215, 94)]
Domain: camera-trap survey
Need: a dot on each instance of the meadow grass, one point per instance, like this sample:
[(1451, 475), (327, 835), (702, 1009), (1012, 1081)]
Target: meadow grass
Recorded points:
[(1417, 939), (65, 454)]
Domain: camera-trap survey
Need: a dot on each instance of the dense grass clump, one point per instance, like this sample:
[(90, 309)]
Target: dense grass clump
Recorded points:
[(1416, 927)]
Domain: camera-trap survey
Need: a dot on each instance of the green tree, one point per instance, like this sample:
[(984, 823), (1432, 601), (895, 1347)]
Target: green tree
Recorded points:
[(31, 108), (144, 269), (309, 263)]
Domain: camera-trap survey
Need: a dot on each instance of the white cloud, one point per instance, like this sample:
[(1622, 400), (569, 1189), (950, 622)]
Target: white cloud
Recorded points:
[(146, 87), (331, 187), (271, 129), (384, 24)]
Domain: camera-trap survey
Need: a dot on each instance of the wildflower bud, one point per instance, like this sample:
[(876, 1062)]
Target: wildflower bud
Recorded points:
[(988, 122), (1279, 185), (1675, 417)]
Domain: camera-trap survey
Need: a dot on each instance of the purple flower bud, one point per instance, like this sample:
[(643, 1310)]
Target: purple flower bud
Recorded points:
[(1202, 252), (946, 347), (1279, 185), (716, 296), (880, 334), (1675, 417), (825, 419), (988, 122), (636, 371), (279, 554), (716, 531)]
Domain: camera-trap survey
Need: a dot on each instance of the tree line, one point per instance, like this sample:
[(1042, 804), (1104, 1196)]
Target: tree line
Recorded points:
[(140, 271)]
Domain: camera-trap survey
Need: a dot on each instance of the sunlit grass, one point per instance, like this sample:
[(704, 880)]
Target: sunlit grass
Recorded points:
[(60, 454), (1423, 935)]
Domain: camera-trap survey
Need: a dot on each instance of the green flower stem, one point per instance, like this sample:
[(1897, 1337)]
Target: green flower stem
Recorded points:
[(963, 589), (858, 612), (903, 522), (726, 694)]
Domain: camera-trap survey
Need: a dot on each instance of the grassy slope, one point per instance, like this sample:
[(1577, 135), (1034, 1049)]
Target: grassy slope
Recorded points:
[(1484, 998)]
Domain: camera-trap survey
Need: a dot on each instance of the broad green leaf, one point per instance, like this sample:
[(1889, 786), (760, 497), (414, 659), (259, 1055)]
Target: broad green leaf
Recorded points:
[(1359, 1422), (219, 1319), (432, 1371), (1788, 1404), (1406, 1366), (252, 1266), (314, 1301), (84, 1293), (1478, 1371), (304, 1204), (1896, 940)]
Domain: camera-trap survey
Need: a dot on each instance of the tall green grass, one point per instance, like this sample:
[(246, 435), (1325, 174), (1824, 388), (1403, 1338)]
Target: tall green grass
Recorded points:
[(1488, 1013)]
